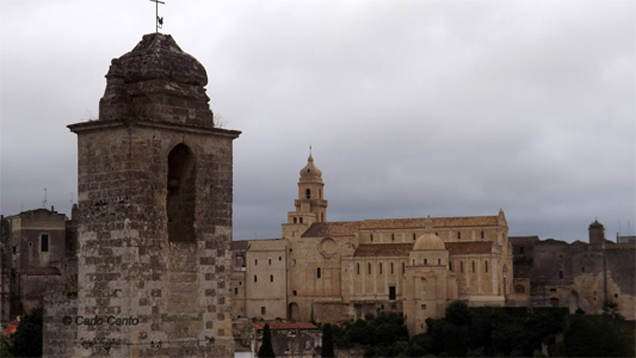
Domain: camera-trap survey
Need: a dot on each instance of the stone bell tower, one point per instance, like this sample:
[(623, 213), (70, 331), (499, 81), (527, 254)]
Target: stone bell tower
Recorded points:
[(155, 205), (310, 206)]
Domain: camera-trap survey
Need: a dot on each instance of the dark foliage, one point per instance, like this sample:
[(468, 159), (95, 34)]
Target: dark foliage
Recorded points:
[(27, 340), (266, 349), (598, 336), (327, 342)]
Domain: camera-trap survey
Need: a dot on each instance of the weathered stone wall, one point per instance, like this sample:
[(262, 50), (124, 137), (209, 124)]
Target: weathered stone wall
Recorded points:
[(333, 312), (179, 291), (59, 335)]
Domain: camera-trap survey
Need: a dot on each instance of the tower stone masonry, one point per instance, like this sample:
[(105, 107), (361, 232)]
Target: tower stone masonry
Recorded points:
[(155, 213)]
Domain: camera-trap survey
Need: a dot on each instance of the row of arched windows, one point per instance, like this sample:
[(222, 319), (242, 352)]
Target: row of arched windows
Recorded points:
[(473, 266), (298, 220), (271, 278), (381, 268), (459, 236)]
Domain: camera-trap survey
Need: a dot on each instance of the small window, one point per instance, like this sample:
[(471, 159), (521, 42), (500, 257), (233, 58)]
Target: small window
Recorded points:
[(30, 244), (15, 249), (436, 234), (520, 289), (280, 258), (255, 278), (482, 235), (391, 268), (616, 295), (295, 220), (392, 237), (269, 261), (473, 266), (423, 306), (236, 290), (255, 262), (271, 278), (521, 249), (380, 265), (369, 267), (459, 235), (301, 220), (461, 266), (295, 293), (263, 310), (318, 272), (425, 262), (561, 275), (439, 261), (486, 266), (293, 262), (371, 237), (403, 267), (414, 237), (240, 283), (553, 290), (358, 269), (582, 269), (44, 241), (308, 193), (450, 265)]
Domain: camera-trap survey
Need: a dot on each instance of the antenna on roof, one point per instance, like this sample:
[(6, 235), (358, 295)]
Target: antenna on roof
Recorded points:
[(45, 199), (310, 149)]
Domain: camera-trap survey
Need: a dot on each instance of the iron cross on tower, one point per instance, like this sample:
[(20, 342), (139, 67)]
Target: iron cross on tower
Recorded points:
[(158, 20)]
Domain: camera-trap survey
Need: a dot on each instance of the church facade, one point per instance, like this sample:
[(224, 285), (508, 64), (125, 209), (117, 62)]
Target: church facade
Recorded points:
[(334, 271)]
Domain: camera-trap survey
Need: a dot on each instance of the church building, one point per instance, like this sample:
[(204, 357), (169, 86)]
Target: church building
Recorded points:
[(335, 271)]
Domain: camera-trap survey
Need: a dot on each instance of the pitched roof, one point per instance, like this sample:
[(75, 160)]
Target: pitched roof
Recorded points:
[(383, 250), (467, 221), (284, 325), (239, 245), (472, 247), (343, 228)]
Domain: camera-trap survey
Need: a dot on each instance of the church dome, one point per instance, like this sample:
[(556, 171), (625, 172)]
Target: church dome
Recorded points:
[(596, 225), (310, 172), (157, 81), (429, 241)]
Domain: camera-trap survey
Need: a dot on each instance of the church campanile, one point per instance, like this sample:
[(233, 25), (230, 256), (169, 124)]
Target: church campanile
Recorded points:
[(155, 205)]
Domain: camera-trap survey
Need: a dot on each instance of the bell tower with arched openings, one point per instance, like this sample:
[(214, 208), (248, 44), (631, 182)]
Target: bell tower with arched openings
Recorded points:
[(310, 206), (155, 211)]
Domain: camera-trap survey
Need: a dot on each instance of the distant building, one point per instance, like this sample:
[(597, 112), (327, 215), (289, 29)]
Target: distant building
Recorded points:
[(335, 271), (625, 239), (576, 275), (34, 255)]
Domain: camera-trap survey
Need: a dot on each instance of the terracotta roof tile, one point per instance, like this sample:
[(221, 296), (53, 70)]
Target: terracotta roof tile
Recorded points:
[(474, 247), (414, 223), (343, 228), (383, 250), (284, 325)]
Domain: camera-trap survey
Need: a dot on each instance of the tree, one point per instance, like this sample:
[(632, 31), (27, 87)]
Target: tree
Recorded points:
[(27, 341), (266, 349), (327, 342), (457, 313), (598, 336)]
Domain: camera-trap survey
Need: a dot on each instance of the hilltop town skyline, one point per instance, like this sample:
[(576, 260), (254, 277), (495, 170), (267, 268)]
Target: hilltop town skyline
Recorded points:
[(412, 109)]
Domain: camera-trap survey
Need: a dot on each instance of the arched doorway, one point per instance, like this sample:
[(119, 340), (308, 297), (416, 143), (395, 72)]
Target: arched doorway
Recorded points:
[(293, 312)]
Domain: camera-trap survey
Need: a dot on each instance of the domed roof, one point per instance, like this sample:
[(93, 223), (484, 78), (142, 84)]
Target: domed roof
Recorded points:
[(157, 81), (310, 172), (429, 241), (596, 225)]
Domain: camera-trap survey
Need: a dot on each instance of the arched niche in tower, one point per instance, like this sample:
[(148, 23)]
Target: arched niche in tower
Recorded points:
[(181, 194)]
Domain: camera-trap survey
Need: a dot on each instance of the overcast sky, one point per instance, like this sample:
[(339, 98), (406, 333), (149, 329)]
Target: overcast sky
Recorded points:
[(413, 108)]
